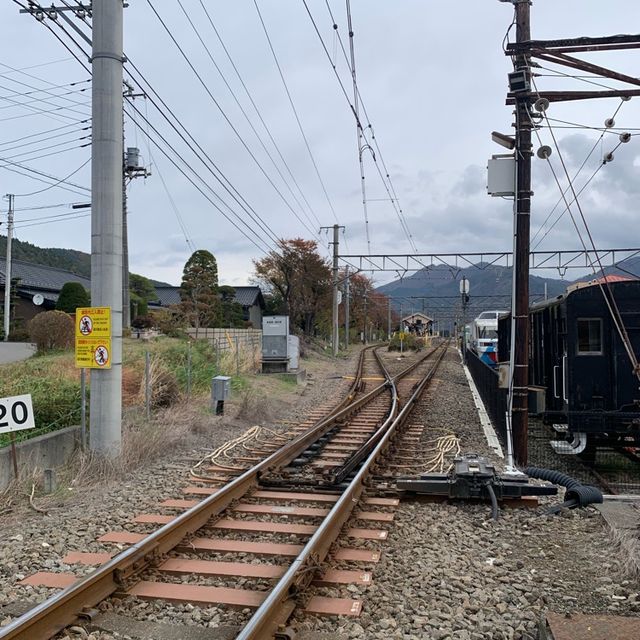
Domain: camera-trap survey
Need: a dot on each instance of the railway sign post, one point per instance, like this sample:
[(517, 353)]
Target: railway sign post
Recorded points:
[(16, 414)]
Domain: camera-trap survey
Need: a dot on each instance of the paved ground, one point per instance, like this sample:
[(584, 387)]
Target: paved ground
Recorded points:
[(15, 351)]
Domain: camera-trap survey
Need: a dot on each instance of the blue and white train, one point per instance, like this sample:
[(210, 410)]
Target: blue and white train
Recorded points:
[(484, 337)]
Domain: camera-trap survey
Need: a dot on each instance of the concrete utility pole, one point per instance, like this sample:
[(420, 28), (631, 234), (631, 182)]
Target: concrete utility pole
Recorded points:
[(520, 406), (334, 320), (336, 237), (347, 304), (106, 217), (365, 318), (7, 273)]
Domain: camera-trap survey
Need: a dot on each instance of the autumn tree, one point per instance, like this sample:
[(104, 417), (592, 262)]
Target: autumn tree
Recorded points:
[(299, 280), (199, 290)]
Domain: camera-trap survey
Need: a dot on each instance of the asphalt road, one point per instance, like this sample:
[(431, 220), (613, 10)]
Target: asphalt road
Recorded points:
[(15, 351)]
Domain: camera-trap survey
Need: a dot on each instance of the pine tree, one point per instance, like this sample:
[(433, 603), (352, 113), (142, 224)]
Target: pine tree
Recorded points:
[(199, 290)]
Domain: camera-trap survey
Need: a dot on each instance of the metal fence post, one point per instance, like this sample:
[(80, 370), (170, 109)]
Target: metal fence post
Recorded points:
[(83, 407), (217, 347), (189, 369), (237, 356), (147, 384)]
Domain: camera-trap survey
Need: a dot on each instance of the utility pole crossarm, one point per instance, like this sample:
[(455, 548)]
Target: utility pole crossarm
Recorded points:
[(583, 43)]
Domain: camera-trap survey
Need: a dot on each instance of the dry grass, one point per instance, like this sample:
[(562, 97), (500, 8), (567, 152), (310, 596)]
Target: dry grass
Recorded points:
[(163, 385), (626, 547), (142, 443)]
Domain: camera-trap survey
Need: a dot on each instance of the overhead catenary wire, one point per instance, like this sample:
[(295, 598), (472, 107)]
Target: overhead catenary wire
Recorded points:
[(387, 183), (201, 189), (295, 111), (257, 110), (225, 116), (603, 282)]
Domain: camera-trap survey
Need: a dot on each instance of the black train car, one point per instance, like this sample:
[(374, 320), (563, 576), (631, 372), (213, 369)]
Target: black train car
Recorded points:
[(578, 362)]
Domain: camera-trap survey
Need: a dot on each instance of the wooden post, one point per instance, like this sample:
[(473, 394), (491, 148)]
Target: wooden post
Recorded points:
[(14, 454)]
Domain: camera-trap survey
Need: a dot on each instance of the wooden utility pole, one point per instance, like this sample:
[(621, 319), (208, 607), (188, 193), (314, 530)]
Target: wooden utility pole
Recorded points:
[(520, 407)]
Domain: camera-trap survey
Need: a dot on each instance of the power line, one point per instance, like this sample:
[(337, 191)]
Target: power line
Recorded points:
[(224, 115), (58, 183), (41, 133), (244, 113), (295, 111), (162, 112), (27, 144), (257, 110)]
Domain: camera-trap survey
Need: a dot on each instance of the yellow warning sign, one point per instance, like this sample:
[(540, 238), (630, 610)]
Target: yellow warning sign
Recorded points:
[(93, 337), (93, 322)]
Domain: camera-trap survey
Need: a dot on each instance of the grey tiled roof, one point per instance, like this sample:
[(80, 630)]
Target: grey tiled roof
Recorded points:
[(167, 295), (246, 296), (37, 276)]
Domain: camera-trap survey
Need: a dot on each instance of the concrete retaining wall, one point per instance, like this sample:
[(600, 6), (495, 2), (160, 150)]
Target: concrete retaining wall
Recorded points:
[(48, 451)]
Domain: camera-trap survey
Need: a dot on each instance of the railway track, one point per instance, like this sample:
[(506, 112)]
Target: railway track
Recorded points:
[(305, 491)]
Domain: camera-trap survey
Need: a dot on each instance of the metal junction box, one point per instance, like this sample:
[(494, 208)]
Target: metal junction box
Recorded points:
[(501, 176), (275, 332), (220, 388)]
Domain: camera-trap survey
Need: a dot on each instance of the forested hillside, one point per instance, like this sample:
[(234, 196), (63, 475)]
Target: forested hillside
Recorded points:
[(68, 259)]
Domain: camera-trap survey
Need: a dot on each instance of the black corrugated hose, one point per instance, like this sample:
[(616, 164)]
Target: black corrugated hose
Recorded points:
[(576, 495)]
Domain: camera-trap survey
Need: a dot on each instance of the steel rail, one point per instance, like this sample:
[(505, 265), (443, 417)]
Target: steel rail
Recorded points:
[(275, 609), (64, 608), (340, 474)]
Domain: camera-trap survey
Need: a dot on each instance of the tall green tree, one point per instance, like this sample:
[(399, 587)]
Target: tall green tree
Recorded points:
[(199, 290), (72, 295), (232, 315), (141, 291)]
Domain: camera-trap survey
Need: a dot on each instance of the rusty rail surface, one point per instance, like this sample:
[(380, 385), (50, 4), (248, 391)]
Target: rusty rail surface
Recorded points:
[(278, 605), (66, 607)]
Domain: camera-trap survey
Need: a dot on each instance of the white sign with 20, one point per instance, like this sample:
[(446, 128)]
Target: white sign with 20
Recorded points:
[(16, 413)]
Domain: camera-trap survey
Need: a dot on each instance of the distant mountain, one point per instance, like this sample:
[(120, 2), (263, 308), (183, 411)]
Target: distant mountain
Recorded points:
[(67, 259), (436, 290)]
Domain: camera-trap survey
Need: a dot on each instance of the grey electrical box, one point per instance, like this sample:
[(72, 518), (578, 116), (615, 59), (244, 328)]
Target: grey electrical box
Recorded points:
[(220, 388), (501, 176), (275, 332)]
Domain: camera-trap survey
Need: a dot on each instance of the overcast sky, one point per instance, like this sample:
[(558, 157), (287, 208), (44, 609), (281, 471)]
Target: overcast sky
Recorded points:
[(432, 75)]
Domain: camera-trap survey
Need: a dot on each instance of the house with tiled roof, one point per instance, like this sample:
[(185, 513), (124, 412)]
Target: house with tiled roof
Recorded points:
[(250, 298), (37, 288)]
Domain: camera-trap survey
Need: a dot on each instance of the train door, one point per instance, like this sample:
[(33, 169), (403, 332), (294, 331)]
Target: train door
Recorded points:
[(558, 359), (626, 387), (590, 373)]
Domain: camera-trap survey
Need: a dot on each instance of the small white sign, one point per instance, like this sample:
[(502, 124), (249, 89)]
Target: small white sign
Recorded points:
[(16, 414)]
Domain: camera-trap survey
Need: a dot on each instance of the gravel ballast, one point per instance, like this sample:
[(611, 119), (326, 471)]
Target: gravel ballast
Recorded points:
[(447, 570)]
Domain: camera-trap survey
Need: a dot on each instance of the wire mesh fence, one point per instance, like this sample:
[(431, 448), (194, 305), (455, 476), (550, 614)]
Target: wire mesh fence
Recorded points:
[(615, 469)]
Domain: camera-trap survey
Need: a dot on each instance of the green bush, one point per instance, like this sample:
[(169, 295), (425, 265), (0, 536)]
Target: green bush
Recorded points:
[(142, 322), (55, 396), (410, 342), (72, 295), (52, 330)]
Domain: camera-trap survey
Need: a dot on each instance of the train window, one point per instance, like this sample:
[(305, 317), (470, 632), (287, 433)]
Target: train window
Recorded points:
[(589, 336)]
